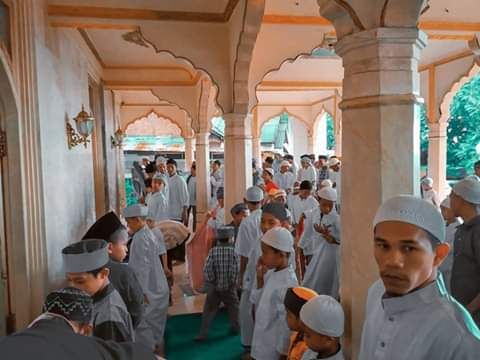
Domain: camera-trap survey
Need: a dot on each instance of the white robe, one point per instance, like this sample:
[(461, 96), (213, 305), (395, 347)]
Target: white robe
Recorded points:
[(336, 178), (145, 262), (299, 206), (423, 325), (323, 272), (216, 181), (309, 174), (285, 181), (177, 196), (431, 197), (158, 207), (446, 267), (271, 336), (218, 220), (249, 233), (192, 191), (312, 355)]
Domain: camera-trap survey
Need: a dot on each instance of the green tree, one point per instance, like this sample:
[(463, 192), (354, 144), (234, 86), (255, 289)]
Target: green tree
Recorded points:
[(424, 129), (464, 129)]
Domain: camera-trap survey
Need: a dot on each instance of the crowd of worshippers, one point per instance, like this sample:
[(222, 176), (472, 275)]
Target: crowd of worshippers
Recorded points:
[(275, 269)]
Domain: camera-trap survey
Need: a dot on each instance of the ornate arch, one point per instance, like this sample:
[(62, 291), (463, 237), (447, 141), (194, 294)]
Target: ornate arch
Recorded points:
[(449, 96), (290, 113), (160, 116)]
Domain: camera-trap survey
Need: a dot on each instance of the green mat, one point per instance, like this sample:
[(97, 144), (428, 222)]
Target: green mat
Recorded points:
[(220, 345)]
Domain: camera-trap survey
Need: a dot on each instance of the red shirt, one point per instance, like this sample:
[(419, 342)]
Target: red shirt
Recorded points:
[(271, 185)]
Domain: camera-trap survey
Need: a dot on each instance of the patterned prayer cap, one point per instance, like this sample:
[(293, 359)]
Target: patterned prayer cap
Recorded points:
[(71, 303)]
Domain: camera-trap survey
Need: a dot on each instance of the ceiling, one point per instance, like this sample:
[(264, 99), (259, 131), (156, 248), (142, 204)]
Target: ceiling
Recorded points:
[(296, 97), (208, 6)]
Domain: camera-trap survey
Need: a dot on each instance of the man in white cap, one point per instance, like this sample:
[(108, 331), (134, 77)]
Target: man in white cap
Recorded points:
[(465, 283), (145, 262), (428, 194), (335, 176), (274, 276), (320, 242), (216, 179), (248, 234), (161, 164), (451, 223), (323, 322), (409, 313), (307, 171), (284, 178)]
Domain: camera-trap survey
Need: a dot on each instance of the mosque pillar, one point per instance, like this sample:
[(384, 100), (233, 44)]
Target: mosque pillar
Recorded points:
[(310, 142), (238, 159), (437, 158), (380, 127), (257, 150), (189, 152), (338, 129), (202, 162)]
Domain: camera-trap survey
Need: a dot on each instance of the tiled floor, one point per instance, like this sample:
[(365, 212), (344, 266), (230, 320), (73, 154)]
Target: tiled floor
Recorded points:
[(183, 302)]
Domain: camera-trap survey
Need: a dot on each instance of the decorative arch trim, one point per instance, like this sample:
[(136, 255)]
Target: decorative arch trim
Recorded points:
[(448, 98), (159, 115), (290, 113)]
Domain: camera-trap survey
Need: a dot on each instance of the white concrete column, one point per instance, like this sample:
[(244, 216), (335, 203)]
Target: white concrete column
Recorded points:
[(437, 158), (202, 162), (310, 142), (379, 138), (189, 152), (257, 150), (238, 159), (338, 133)]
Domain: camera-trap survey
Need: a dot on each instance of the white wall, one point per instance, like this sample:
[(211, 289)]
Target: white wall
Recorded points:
[(67, 174), (300, 142), (320, 141)]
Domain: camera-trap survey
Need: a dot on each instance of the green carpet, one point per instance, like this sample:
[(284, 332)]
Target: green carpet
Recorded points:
[(220, 345)]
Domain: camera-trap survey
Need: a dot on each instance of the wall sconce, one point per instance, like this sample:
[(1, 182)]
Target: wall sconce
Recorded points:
[(84, 124), (117, 138)]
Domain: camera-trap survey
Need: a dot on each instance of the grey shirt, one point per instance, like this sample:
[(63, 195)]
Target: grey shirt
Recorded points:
[(426, 324), (465, 281)]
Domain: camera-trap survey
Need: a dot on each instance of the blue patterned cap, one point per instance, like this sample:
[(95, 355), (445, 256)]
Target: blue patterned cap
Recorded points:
[(71, 303)]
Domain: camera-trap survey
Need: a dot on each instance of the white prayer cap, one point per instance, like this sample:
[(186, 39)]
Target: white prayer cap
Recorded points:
[(160, 160), (284, 163), (136, 210), (306, 158), (333, 162), (270, 171), (327, 193), (427, 181), (324, 315), (468, 189), (412, 210), (446, 203), (254, 194), (158, 177), (279, 238), (326, 183)]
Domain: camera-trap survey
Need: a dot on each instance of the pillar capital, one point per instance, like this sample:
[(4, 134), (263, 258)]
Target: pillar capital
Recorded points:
[(238, 125), (202, 138), (437, 129)]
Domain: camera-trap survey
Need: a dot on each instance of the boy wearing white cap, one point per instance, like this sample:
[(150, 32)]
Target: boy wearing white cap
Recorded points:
[(302, 202), (465, 283), (451, 223), (145, 262), (158, 204), (323, 322), (285, 178), (248, 234), (320, 242), (274, 276), (409, 313)]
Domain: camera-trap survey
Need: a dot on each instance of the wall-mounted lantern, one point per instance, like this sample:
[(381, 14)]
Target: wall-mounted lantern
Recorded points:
[(84, 124), (117, 138)]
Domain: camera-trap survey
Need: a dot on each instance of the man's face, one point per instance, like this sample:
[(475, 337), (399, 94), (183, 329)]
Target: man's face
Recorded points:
[(118, 250), (214, 166), (171, 169), (335, 168), (271, 258), (162, 167), (284, 169), (87, 282), (304, 163), (135, 224), (317, 342), (405, 257), (477, 170), (447, 213), (238, 217), (269, 222), (456, 203), (322, 162), (266, 176)]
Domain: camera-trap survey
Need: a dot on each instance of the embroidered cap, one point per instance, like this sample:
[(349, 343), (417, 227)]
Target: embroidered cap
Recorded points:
[(136, 210), (270, 171), (254, 194), (324, 315), (469, 189), (412, 210), (71, 303)]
